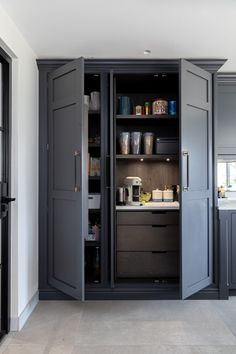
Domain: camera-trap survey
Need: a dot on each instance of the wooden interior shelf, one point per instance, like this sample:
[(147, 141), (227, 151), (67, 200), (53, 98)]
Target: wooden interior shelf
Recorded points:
[(157, 157), (92, 243), (94, 178), (92, 211), (94, 145), (151, 116), (94, 112)]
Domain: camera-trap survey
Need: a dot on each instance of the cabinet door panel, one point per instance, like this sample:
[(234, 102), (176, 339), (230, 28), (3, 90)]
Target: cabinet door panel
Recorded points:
[(64, 86), (198, 95), (196, 178), (197, 143), (196, 269), (226, 121), (65, 141), (68, 190), (64, 243)]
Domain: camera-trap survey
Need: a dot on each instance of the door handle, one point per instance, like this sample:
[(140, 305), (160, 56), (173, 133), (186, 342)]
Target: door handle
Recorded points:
[(159, 226), (77, 173), (7, 200), (155, 252), (4, 205), (186, 155)]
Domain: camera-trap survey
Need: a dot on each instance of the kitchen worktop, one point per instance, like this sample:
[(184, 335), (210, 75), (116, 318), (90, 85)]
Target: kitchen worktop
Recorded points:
[(150, 206), (226, 204)]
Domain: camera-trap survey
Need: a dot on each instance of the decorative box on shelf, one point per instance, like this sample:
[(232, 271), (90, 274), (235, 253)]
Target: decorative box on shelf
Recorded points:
[(94, 201)]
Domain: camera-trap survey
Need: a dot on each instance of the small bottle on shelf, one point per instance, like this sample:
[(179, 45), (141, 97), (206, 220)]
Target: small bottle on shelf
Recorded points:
[(96, 231)]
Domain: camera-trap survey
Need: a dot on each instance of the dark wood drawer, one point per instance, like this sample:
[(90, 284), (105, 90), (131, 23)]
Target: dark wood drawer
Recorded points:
[(147, 238), (148, 217), (147, 265)]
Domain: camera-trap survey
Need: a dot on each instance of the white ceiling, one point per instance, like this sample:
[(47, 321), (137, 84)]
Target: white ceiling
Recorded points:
[(125, 28)]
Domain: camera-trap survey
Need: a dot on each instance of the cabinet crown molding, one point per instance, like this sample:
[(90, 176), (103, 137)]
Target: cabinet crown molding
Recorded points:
[(123, 65)]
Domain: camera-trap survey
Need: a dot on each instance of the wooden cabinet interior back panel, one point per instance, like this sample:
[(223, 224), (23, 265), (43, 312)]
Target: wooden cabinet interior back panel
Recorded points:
[(153, 174)]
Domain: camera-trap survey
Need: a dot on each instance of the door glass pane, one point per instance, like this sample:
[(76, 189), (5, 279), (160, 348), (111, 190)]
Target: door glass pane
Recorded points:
[(1, 92)]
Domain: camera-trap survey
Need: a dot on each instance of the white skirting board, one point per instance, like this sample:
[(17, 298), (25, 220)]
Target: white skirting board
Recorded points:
[(18, 323)]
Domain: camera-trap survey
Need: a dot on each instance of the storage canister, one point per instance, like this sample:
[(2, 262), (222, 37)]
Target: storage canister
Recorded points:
[(124, 105), (148, 143), (124, 140), (136, 142), (147, 108), (157, 195), (94, 104), (168, 195), (172, 108), (138, 110), (160, 106)]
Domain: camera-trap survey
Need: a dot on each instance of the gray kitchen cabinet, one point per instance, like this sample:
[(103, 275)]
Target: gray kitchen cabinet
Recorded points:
[(183, 248), (227, 242), (147, 245), (226, 114)]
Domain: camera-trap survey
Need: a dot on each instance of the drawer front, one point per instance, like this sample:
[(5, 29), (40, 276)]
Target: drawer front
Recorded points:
[(147, 265), (148, 238), (148, 218)]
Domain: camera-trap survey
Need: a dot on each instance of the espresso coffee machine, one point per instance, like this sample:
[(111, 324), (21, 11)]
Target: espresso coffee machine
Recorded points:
[(132, 187)]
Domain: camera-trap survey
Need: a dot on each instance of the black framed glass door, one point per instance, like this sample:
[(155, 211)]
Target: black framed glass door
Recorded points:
[(4, 195)]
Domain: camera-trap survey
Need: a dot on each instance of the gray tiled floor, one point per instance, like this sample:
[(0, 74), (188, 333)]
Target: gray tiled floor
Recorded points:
[(120, 327)]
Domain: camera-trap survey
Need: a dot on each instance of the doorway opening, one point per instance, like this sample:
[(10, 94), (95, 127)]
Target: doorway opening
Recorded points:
[(5, 66)]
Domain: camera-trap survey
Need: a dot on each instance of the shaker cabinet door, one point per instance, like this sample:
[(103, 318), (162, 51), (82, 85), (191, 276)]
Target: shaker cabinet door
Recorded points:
[(68, 190), (196, 178), (226, 122)]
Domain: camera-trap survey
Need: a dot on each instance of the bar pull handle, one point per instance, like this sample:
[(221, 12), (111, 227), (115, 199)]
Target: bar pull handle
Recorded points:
[(159, 225), (186, 186), (155, 252), (108, 175), (77, 170)]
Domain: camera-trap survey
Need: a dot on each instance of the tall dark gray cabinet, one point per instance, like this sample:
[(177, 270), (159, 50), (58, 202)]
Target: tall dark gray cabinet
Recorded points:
[(71, 267)]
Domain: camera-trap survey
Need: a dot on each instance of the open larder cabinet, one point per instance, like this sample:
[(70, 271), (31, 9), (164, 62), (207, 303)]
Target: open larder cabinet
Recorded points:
[(75, 263)]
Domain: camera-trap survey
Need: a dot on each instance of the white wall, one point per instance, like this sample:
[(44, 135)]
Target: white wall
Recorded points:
[(24, 221)]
